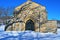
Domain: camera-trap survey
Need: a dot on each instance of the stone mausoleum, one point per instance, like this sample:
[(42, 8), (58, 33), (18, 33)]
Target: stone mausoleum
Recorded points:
[(31, 16)]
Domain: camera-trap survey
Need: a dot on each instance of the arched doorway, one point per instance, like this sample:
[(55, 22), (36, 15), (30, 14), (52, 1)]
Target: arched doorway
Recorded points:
[(29, 25)]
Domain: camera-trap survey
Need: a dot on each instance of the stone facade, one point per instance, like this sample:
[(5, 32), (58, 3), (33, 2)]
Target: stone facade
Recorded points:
[(33, 14)]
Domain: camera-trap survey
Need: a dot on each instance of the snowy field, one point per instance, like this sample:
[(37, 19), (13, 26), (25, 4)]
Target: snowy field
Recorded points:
[(28, 35)]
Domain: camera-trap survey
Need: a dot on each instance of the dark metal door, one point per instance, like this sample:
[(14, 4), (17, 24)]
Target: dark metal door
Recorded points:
[(29, 25)]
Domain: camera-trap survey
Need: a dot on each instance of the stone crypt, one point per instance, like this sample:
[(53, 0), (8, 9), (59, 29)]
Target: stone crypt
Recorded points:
[(31, 16)]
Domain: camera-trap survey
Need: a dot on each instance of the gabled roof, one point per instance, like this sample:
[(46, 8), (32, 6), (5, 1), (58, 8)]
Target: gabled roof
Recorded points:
[(32, 5)]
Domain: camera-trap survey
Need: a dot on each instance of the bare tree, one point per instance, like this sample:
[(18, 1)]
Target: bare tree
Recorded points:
[(5, 13), (1, 11)]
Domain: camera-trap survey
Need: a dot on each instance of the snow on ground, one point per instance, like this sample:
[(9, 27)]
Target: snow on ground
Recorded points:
[(28, 35), (2, 27)]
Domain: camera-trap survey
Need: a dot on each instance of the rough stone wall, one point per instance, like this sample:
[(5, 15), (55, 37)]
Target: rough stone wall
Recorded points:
[(43, 28), (52, 26), (49, 26)]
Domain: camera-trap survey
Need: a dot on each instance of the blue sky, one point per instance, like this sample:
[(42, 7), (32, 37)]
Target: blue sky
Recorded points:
[(52, 6)]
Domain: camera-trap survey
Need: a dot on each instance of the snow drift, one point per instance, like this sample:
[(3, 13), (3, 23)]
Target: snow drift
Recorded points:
[(28, 35)]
